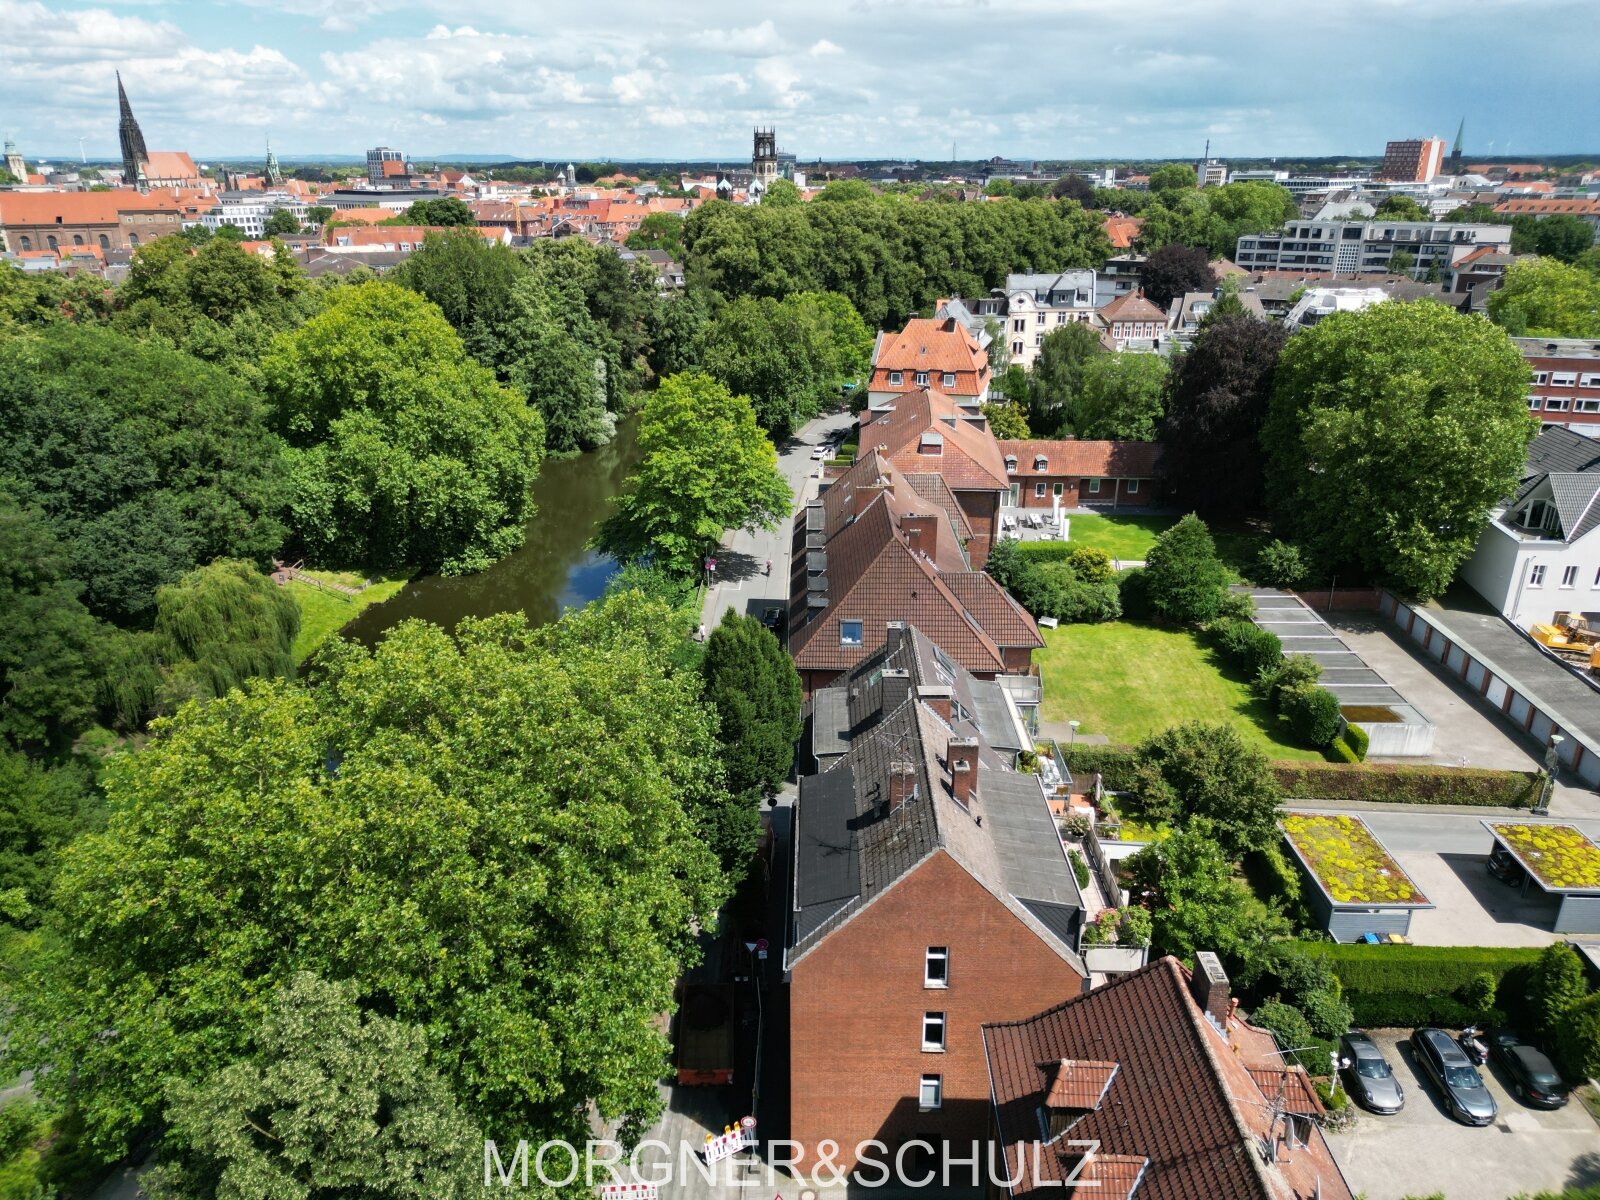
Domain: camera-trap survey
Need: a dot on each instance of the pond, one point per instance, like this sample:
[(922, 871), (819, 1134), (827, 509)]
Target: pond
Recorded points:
[(551, 572)]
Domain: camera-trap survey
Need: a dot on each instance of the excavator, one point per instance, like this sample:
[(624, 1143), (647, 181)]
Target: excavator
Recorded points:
[(1570, 638)]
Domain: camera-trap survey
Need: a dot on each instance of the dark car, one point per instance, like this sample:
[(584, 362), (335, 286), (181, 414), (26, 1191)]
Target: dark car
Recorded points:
[(1503, 865), (1460, 1086), (1534, 1078), (773, 618), (1367, 1076)]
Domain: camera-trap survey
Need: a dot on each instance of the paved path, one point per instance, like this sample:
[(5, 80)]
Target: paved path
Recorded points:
[(741, 583)]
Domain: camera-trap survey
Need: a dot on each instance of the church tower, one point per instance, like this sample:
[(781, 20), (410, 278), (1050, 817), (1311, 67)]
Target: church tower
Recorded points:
[(764, 160), (14, 163), (1455, 153), (274, 173), (134, 156)]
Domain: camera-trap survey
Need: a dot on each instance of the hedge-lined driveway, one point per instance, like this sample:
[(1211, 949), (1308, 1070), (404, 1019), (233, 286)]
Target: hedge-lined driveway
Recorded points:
[(1420, 1150)]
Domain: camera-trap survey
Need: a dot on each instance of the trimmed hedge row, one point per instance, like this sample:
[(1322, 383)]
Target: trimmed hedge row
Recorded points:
[(1407, 986), (1043, 552), (1406, 784), (1382, 782)]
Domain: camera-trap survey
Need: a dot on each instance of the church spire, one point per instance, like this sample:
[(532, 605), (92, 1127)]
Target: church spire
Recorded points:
[(1455, 151), (274, 173), (134, 155)]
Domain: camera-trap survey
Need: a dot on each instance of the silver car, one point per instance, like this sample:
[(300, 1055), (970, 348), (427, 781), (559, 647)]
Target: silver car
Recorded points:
[(1460, 1086), (1367, 1074)]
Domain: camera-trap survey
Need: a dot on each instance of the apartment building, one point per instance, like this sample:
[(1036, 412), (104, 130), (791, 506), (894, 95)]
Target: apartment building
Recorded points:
[(1036, 304), (1354, 247), (250, 211), (943, 356), (1413, 160), (1566, 382)]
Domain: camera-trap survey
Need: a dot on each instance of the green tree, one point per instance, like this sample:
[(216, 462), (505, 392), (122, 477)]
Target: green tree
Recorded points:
[(1057, 376), (1119, 397), (841, 191), (707, 468), (1008, 422), (1472, 214), (1204, 771), (493, 836), (781, 193), (1545, 298), (1390, 434), (1402, 262), (331, 1102), (1563, 236), (220, 625), (319, 214), (780, 353), (1074, 187), (1396, 207), (752, 684), (1556, 983), (658, 231), (143, 461), (403, 450), (1172, 177), (281, 221), (1185, 578), (1197, 903), (444, 211), (41, 810)]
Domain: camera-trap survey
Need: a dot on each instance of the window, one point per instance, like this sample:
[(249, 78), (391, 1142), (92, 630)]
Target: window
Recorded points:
[(932, 1093), (922, 379), (1011, 463), (50, 240), (949, 380), (1057, 489), (1094, 486), (851, 633), (933, 1032), (27, 243), (1016, 347), (1061, 318), (1038, 339), (1590, 381), (1564, 378), (936, 967), (1586, 406), (1597, 577), (1569, 577), (105, 242), (1019, 326), (1541, 377), (1038, 490), (1555, 404), (1133, 486), (77, 239), (1536, 576), (896, 378), (1039, 319), (1535, 403)]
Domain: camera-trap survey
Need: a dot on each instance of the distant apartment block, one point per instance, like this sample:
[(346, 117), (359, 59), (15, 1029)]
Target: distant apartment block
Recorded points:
[(385, 165), (1566, 382), (249, 211), (1353, 247), (1414, 160)]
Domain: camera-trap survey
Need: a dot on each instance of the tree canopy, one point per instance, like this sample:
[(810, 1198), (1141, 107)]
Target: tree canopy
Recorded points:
[(403, 450), (1119, 396), (707, 468), (1214, 219), (1057, 376), (1398, 207), (445, 210), (1390, 434), (1184, 578), (221, 625), (1546, 298), (1194, 771), (496, 837), (1174, 269)]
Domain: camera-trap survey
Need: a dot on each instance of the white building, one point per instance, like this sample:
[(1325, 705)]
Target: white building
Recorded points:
[(1540, 553), (1036, 304), (1352, 247), (249, 211), (1321, 302)]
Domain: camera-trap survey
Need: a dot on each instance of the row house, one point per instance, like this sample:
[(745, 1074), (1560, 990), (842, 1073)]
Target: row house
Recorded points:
[(1072, 473), (1586, 208), (1565, 389), (930, 893), (1355, 247)]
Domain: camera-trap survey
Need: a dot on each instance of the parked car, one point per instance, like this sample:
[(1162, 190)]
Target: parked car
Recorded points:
[(821, 451), (1460, 1086), (1504, 866), (1534, 1078), (1367, 1074), (772, 618)]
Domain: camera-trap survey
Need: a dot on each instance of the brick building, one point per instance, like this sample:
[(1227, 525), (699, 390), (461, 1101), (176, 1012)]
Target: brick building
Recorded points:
[(1565, 389), (1082, 474), (1414, 160), (1152, 1087), (1130, 322), (930, 893), (940, 355), (115, 220)]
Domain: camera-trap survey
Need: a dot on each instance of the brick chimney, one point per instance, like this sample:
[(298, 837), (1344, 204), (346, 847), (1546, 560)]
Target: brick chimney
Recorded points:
[(922, 533), (962, 755), (864, 496), (1209, 987), (902, 783), (937, 697)]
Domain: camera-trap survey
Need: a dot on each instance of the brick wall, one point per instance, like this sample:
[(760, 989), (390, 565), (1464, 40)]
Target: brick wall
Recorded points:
[(857, 1002), (1075, 491)]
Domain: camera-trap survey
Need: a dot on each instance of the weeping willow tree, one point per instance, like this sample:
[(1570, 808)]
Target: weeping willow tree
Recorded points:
[(221, 625)]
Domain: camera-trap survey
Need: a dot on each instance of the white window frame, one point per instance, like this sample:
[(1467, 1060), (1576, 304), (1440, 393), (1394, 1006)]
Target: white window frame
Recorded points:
[(1040, 318), (1133, 486), (1058, 489), (1586, 406), (1535, 403), (948, 380), (936, 956), (861, 635), (1563, 379), (1569, 576), (922, 378), (930, 1095), (1590, 381), (896, 378), (1094, 487), (1556, 403), (1536, 575), (1016, 347), (1038, 490), (934, 1023), (1038, 339), (1540, 378)]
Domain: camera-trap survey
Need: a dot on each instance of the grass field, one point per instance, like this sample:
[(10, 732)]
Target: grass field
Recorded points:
[(1131, 536), (323, 613), (1128, 681)]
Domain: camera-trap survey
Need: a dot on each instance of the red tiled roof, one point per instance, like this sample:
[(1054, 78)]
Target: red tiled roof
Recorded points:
[(1123, 230), (1183, 1097), (169, 164), (928, 344), (80, 208), (969, 458), (1131, 306), (393, 167), (365, 216), (1077, 1083), (1087, 459), (1546, 207)]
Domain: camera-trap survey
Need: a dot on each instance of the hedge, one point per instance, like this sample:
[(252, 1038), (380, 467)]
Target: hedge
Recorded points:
[(1358, 740), (1044, 552), (1407, 986), (1381, 782), (1406, 784)]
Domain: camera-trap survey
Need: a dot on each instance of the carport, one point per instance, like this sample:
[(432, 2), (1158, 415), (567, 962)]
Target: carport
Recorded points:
[(1560, 860), (1357, 892)]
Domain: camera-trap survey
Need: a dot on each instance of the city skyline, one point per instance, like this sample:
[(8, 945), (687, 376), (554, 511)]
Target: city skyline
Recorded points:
[(1052, 79)]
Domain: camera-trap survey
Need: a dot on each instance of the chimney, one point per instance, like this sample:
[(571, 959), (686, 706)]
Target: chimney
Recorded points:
[(937, 697), (896, 685), (962, 755), (864, 496), (1209, 987), (922, 533), (902, 784)]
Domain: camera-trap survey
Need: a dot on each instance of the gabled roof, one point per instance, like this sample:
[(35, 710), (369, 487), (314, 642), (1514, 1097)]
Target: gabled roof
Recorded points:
[(851, 846), (1131, 306), (969, 459), (931, 345), (170, 164), (1088, 458), (80, 208), (1186, 1097), (1560, 449)]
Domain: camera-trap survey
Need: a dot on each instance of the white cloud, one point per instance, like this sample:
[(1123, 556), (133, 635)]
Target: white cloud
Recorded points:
[(822, 47), (746, 43), (633, 88)]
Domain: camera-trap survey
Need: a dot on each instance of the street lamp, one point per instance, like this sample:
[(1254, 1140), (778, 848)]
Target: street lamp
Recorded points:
[(1072, 733), (1552, 765)]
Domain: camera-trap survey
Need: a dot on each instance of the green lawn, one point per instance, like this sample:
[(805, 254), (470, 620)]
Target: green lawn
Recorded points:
[(1128, 681), (1132, 535), (323, 613)]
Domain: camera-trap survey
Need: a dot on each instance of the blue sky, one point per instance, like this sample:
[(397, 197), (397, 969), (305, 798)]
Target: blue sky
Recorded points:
[(858, 78)]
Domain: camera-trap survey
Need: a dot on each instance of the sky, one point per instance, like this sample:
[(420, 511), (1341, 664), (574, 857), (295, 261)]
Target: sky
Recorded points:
[(837, 78)]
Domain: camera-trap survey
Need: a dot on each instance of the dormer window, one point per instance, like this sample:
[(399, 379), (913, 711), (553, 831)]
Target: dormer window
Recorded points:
[(931, 443), (896, 378), (1011, 464), (949, 380), (1040, 462), (922, 379)]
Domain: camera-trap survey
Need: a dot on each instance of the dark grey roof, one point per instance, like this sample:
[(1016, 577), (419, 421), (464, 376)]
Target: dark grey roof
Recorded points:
[(826, 841), (1033, 862), (830, 723), (1560, 449), (1577, 500), (992, 711)]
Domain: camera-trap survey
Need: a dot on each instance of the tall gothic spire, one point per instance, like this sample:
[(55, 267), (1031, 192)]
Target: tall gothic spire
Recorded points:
[(134, 155), (274, 173)]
